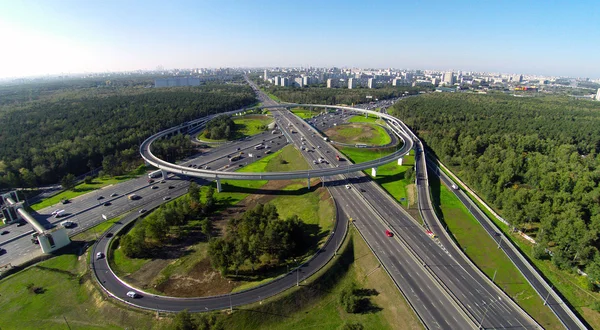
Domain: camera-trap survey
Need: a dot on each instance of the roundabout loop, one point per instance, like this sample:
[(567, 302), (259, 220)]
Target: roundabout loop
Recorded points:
[(150, 158)]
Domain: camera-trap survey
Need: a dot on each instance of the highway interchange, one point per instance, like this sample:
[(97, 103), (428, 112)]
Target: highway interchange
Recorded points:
[(439, 283)]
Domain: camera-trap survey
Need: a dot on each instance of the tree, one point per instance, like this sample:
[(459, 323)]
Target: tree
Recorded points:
[(194, 191), (210, 200), (68, 182), (183, 321)]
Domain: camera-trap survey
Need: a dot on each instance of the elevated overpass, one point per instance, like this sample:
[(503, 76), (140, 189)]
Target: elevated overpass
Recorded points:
[(150, 158)]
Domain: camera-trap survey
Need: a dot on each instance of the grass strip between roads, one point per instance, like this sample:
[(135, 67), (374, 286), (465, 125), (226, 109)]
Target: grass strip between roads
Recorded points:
[(484, 252), (570, 285)]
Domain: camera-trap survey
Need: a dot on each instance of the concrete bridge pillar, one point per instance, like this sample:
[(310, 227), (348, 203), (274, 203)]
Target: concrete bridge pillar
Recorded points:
[(400, 160), (308, 183), (323, 182), (219, 185), (374, 171), (164, 174)]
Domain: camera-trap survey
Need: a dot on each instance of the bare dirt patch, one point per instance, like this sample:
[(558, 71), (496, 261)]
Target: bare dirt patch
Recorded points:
[(201, 281)]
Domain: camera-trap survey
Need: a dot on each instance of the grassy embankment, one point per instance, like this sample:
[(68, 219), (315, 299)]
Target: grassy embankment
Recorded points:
[(306, 113), (315, 304), (370, 119), (66, 296), (484, 252), (244, 126), (571, 286), (389, 176), (84, 188), (366, 133)]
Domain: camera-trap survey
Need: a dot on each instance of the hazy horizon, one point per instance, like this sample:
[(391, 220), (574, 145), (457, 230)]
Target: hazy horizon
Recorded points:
[(70, 37)]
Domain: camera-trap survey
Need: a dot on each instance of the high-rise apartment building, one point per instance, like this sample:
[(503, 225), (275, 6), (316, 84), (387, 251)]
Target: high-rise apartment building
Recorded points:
[(598, 95), (330, 83), (277, 81), (266, 76), (371, 82), (351, 83), (448, 78), (285, 82)]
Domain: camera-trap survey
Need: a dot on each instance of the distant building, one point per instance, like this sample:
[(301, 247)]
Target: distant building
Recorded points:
[(266, 76), (371, 82), (448, 78), (399, 82), (445, 90), (330, 83), (277, 81), (298, 82), (306, 80), (408, 76), (351, 83), (598, 95), (435, 81), (285, 82)]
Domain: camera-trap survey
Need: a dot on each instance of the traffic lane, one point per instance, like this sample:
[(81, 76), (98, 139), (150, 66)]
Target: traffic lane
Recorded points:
[(504, 312), (419, 289), (538, 286)]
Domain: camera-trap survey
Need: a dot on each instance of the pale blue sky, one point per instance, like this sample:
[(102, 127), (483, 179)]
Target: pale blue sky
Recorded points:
[(538, 37)]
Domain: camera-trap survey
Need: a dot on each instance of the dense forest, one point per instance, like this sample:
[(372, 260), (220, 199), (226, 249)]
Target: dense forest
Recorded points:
[(220, 128), (73, 130), (322, 95), (535, 159)]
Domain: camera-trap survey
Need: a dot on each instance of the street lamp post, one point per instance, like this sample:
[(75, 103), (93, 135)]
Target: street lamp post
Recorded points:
[(486, 310)]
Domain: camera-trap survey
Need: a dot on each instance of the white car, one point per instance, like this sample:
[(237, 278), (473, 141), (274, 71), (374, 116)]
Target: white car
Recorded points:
[(99, 255), (132, 294), (455, 187), (347, 186)]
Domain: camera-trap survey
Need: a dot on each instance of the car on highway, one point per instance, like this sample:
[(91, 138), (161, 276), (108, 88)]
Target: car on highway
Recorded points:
[(154, 187), (142, 211), (4, 232), (65, 201), (109, 234), (388, 233), (19, 224), (163, 181), (2, 251), (166, 198), (171, 187), (347, 186), (67, 224), (455, 187), (107, 204), (132, 294), (100, 197), (114, 195), (99, 255)]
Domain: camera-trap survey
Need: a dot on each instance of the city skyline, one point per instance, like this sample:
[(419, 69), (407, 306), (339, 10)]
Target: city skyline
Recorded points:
[(71, 37)]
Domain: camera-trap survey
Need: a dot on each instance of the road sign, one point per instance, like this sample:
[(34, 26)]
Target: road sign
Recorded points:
[(104, 217)]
